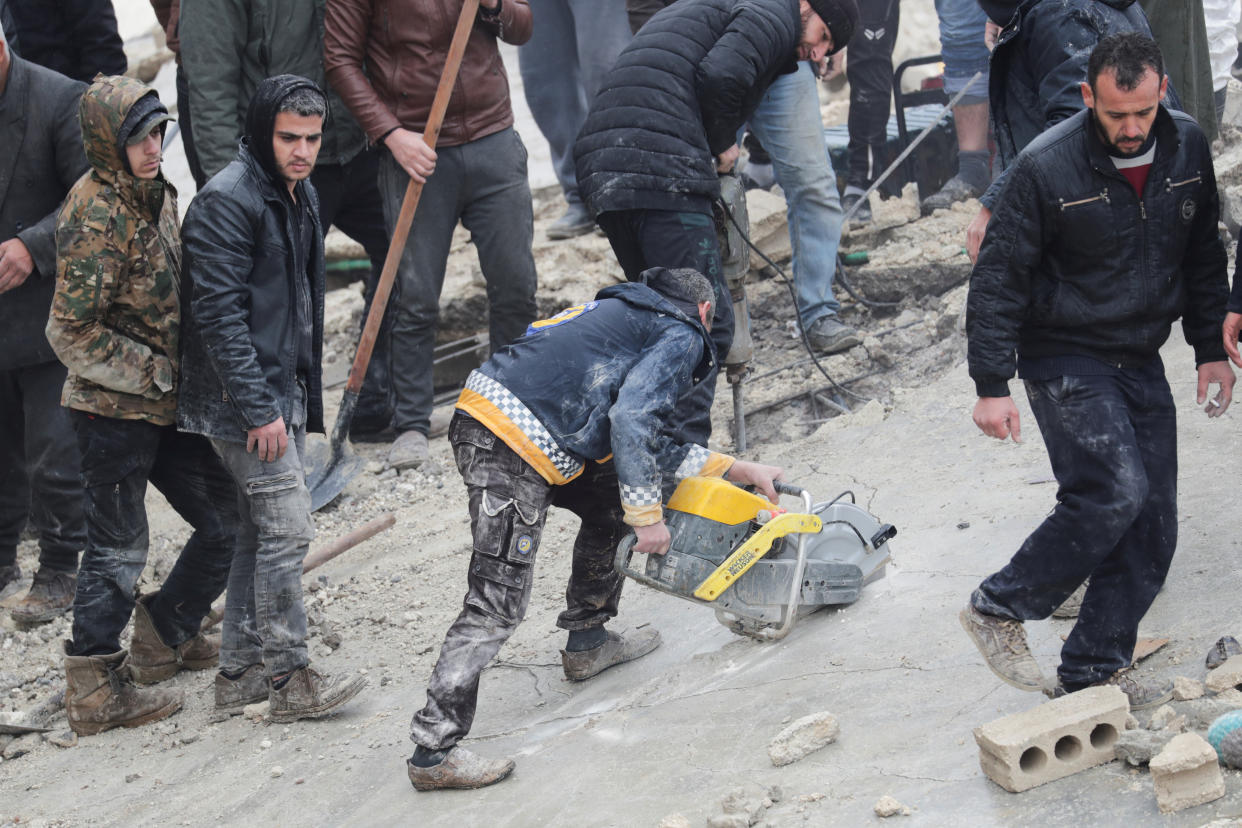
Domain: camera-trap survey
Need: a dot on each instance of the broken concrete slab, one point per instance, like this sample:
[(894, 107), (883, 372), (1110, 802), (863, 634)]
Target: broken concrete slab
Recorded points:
[(806, 735), (769, 227), (1186, 774), (1137, 747), (1225, 677), (1053, 740)]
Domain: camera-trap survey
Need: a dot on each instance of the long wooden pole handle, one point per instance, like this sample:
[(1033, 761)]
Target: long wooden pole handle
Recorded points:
[(448, 78)]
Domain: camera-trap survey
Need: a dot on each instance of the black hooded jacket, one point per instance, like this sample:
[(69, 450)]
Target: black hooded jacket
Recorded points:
[(1077, 264), (241, 265), (1039, 61), (675, 99)]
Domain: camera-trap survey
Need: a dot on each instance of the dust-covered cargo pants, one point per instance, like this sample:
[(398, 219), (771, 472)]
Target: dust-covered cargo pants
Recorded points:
[(509, 502)]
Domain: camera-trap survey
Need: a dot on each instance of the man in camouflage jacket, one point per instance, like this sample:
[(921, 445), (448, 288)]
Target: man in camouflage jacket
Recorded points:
[(115, 323), (40, 158)]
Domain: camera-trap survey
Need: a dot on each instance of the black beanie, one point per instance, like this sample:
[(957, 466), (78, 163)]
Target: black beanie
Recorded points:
[(999, 12), (841, 18), (261, 117)]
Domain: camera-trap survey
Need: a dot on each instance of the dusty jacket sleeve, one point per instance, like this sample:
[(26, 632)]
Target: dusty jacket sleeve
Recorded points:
[(213, 43), (755, 40), (91, 261), (1205, 268), (1000, 284), (40, 237), (346, 28), (643, 455), (217, 235)]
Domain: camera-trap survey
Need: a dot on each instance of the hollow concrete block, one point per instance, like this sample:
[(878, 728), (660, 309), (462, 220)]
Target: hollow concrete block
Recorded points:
[(1186, 774), (1054, 740)]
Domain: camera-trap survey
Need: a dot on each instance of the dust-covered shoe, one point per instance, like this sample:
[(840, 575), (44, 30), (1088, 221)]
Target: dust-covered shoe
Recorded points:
[(1225, 648), (1143, 693), (151, 660), (232, 695), (409, 451), (460, 769), (575, 221), (1002, 643), (50, 595), (829, 335), (617, 649), (100, 695), (310, 695), (1070, 606), (862, 216), (954, 190)]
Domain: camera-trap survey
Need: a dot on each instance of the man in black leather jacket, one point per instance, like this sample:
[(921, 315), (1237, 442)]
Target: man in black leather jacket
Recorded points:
[(251, 341), (1104, 233)]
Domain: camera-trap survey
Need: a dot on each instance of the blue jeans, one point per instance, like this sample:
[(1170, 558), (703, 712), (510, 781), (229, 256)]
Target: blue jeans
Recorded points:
[(264, 617), (788, 125), (119, 458), (572, 47), (1112, 441), (484, 185), (962, 23)]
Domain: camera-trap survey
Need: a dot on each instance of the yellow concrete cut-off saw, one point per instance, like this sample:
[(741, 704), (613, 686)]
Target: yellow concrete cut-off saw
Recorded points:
[(759, 566)]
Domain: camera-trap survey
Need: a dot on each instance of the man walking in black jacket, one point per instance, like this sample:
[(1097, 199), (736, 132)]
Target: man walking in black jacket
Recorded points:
[(1104, 233), (251, 381)]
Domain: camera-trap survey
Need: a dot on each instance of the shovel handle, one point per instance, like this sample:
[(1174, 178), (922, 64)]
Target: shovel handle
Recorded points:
[(400, 232)]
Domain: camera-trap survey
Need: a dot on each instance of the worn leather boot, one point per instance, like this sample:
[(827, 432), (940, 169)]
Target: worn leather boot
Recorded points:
[(51, 595), (151, 660), (232, 695), (309, 695), (100, 695), (618, 649), (460, 769)]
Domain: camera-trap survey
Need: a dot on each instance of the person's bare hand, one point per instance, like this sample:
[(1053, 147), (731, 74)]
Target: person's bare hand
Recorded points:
[(975, 232), (991, 32), (270, 441), (757, 475), (998, 417), (652, 539), (412, 153), (16, 264), (726, 159), (1221, 374), (1233, 324)]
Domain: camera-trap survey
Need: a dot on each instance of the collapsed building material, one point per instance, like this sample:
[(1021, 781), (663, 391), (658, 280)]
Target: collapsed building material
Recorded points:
[(1226, 676), (1186, 774), (806, 735), (1053, 740)]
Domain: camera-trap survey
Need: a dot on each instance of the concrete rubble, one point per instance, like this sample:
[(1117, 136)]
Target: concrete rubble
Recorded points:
[(1186, 774), (803, 737)]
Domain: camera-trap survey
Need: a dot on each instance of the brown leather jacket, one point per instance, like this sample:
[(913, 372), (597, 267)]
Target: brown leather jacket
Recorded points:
[(403, 45)]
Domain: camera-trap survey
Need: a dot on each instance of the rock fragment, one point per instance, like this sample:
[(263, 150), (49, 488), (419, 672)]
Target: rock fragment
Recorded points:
[(802, 737), (1186, 774), (1186, 689), (1225, 677), (886, 806)]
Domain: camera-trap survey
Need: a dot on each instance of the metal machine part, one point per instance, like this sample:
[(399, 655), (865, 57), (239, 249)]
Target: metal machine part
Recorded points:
[(762, 568)]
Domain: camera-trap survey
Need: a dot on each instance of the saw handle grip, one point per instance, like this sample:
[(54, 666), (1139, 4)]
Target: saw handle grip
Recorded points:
[(788, 488)]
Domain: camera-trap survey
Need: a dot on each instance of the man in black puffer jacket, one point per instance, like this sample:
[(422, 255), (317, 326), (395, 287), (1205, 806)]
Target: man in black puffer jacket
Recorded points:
[(252, 317), (1104, 233), (665, 123), (1037, 65)]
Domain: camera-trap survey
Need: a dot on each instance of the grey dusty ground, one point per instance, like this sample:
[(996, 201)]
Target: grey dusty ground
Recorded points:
[(685, 731)]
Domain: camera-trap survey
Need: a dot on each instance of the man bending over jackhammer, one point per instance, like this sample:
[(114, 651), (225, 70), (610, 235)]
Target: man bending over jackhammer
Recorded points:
[(569, 414)]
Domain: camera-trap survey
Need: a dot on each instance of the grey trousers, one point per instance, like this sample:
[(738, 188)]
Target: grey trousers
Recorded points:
[(264, 618), (483, 184)]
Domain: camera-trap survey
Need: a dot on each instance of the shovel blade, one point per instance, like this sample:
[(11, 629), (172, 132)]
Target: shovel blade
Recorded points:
[(328, 472)]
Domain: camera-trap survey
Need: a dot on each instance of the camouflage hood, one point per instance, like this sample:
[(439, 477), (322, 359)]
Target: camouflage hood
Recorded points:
[(105, 115)]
